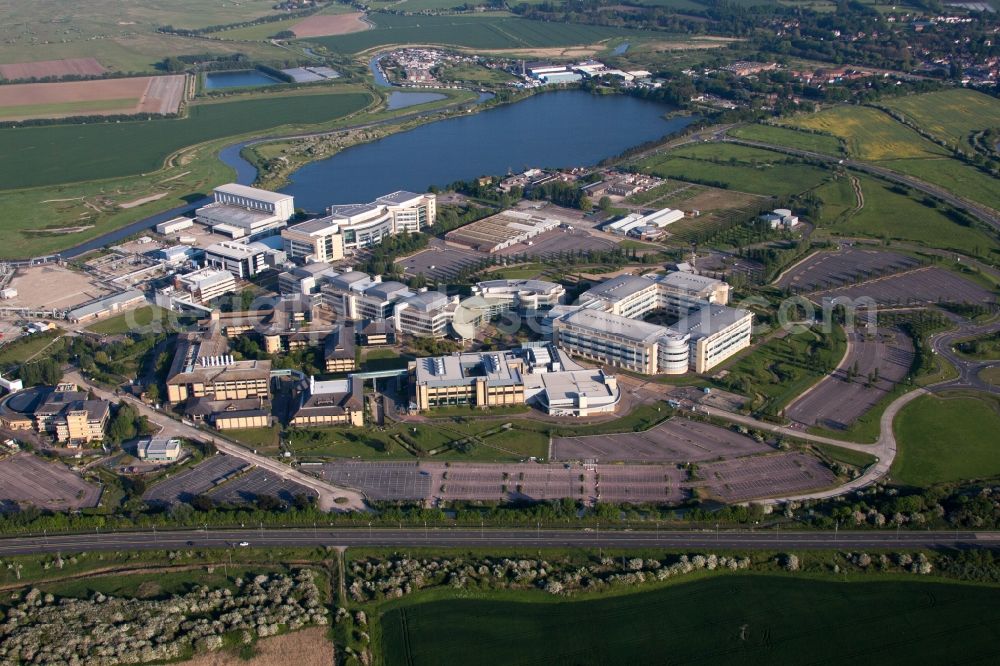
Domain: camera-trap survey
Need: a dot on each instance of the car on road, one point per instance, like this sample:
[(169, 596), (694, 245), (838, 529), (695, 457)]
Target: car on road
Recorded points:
[(244, 544)]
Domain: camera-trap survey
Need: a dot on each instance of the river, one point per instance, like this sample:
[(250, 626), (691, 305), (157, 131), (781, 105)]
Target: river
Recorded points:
[(561, 128)]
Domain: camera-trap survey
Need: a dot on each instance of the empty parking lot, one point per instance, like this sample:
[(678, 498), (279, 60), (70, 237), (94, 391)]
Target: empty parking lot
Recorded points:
[(827, 270), (839, 400), (676, 440), (26, 478), (763, 476), (201, 478), (247, 487), (916, 287)]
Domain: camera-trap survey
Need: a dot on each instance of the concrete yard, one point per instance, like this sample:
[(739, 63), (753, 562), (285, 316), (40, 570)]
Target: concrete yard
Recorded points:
[(835, 402), (676, 440), (28, 479), (184, 486), (827, 270), (917, 287), (255, 483), (53, 286)]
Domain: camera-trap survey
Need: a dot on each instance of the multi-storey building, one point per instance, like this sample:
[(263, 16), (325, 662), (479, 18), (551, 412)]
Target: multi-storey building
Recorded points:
[(70, 417), (202, 368), (607, 325), (518, 295), (244, 260), (350, 227), (206, 283), (331, 402)]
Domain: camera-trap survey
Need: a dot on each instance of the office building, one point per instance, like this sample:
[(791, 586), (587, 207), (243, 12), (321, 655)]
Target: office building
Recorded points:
[(206, 283), (203, 368), (243, 260), (329, 403), (70, 417), (107, 306), (350, 227), (428, 314), (607, 325), (518, 295)]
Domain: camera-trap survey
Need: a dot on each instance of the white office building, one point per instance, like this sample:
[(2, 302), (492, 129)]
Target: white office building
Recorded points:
[(607, 325)]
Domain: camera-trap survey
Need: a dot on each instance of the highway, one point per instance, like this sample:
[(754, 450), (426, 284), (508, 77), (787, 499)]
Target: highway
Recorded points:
[(522, 538)]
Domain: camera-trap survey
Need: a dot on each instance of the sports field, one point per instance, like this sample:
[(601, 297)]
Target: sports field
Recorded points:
[(953, 115), (146, 94), (735, 167), (94, 151), (943, 439), (471, 31), (730, 619)]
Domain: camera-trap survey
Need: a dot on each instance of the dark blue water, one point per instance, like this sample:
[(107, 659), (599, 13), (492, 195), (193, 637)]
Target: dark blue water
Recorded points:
[(565, 128), (402, 100), (241, 79)]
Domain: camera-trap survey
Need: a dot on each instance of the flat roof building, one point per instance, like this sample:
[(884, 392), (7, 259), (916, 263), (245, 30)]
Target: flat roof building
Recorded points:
[(158, 449), (206, 283), (108, 306), (330, 402), (244, 260), (500, 231), (273, 203)]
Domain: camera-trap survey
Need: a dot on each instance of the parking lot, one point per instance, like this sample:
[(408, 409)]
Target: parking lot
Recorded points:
[(763, 476), (379, 481), (676, 440), (732, 480), (917, 287), (565, 241), (201, 478), (246, 488), (440, 262), (828, 270), (838, 401), (26, 478)]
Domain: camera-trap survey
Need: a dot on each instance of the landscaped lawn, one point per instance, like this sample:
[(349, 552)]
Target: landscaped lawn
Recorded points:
[(778, 371), (725, 619), (944, 439), (134, 320)]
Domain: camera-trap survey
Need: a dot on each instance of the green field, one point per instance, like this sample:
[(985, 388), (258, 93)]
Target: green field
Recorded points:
[(483, 32), (952, 115), (784, 136), (122, 35), (892, 215), (106, 150), (943, 439), (744, 619), (738, 168), (956, 177), (122, 105), (123, 323), (870, 134)]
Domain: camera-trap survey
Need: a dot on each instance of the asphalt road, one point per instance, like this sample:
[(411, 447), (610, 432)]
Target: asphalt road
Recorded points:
[(968, 370), (523, 538)]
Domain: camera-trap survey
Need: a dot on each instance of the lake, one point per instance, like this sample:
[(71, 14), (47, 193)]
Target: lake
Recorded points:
[(241, 79), (555, 129)]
